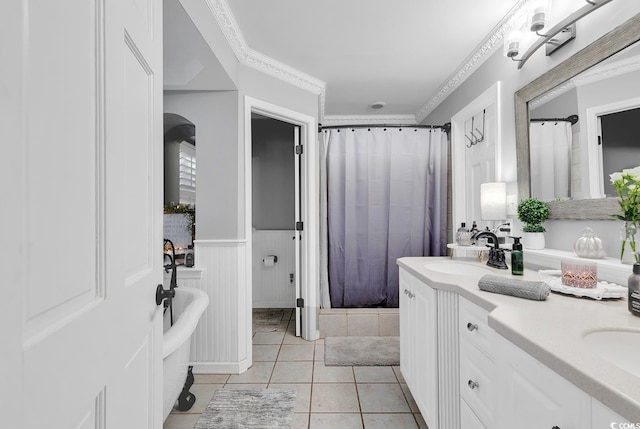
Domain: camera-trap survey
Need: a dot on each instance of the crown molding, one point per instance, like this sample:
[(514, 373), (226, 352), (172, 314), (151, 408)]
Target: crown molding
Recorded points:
[(263, 63), (251, 58), (481, 53), (346, 120)]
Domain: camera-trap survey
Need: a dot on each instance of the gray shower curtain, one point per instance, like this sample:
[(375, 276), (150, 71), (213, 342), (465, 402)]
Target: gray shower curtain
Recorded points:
[(386, 198)]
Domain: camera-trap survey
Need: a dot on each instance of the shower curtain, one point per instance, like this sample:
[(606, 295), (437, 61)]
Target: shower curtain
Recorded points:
[(385, 199), (550, 154)]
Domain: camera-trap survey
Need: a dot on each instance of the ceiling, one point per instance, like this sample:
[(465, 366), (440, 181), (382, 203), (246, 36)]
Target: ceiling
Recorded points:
[(358, 52)]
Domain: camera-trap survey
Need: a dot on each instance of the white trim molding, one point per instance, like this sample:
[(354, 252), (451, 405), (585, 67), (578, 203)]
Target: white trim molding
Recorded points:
[(482, 52), (251, 58)]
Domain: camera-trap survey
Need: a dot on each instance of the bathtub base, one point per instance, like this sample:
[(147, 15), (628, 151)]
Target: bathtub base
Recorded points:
[(186, 398)]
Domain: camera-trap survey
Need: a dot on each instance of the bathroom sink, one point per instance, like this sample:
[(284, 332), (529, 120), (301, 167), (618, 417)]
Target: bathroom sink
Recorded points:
[(460, 268), (621, 348)]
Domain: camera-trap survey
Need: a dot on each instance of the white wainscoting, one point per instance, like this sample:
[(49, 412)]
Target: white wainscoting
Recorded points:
[(272, 287), (222, 340)]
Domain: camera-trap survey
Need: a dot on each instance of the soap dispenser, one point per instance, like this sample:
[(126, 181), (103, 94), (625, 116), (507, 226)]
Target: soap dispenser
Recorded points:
[(634, 290), (463, 236), (517, 258)]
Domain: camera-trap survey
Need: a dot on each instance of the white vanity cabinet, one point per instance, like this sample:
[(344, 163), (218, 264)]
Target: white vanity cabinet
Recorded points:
[(418, 339), (477, 367), (530, 395)]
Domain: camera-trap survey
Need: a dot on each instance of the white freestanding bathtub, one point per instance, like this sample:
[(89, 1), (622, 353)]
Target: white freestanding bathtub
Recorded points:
[(188, 305)]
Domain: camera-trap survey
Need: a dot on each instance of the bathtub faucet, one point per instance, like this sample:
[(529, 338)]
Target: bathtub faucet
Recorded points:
[(163, 294), (496, 254)]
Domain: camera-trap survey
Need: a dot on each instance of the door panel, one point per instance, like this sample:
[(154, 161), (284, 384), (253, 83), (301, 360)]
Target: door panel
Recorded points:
[(90, 171), (298, 234)]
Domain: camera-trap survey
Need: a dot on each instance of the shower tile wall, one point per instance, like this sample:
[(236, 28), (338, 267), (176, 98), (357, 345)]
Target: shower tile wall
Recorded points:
[(359, 322)]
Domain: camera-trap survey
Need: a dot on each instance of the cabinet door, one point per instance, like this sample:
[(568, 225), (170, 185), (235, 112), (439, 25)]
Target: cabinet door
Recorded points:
[(425, 364), (604, 417), (530, 395), (406, 333)]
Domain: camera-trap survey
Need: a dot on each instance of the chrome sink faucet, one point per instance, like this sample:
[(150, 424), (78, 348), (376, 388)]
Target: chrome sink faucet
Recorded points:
[(496, 254)]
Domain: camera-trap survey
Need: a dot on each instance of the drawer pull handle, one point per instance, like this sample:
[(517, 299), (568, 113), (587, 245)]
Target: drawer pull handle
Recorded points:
[(472, 326), (473, 384), (411, 295), (406, 292), (556, 427)]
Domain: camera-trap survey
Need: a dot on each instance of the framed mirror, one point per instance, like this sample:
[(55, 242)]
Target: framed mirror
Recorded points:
[(612, 43)]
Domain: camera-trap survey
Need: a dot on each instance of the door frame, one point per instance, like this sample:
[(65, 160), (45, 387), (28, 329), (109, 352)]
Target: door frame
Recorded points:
[(594, 150), (310, 256), (458, 149)]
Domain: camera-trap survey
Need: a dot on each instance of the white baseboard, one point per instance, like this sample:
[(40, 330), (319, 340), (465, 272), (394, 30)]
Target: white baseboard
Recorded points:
[(220, 367)]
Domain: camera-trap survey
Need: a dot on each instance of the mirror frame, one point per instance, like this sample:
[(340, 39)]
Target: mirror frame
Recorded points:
[(609, 44)]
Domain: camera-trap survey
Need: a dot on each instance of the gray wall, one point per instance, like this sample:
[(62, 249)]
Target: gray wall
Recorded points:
[(273, 174), (561, 234), (215, 115)]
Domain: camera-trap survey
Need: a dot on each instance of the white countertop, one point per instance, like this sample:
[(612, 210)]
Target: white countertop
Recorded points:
[(551, 331)]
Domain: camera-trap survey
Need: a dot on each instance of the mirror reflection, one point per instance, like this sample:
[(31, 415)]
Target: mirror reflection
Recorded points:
[(582, 130)]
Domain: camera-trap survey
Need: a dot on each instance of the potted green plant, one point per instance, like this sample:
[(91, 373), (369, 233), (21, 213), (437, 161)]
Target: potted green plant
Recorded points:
[(532, 212)]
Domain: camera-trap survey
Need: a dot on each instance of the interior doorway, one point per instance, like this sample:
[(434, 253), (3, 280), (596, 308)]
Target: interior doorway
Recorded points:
[(275, 199), (306, 226)]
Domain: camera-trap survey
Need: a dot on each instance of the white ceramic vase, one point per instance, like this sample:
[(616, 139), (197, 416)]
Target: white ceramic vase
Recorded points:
[(533, 240)]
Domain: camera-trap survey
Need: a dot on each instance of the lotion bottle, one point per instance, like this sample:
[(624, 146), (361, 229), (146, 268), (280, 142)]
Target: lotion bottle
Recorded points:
[(517, 258), (634, 290)]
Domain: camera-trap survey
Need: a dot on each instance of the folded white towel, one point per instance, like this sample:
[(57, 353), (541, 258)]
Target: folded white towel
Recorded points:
[(538, 291)]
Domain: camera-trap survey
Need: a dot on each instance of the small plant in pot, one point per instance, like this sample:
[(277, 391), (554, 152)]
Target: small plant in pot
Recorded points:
[(532, 212)]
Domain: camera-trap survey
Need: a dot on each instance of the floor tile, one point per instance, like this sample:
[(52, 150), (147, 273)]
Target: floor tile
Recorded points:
[(335, 421), (333, 325), (409, 397), (332, 374), (334, 398), (421, 423), (290, 338), (245, 386), (374, 374), (203, 394), (385, 421), (292, 372), (382, 398), (265, 352), (296, 352), (319, 353), (303, 395), (300, 421), (268, 337), (260, 372), (210, 378), (181, 421), (399, 375)]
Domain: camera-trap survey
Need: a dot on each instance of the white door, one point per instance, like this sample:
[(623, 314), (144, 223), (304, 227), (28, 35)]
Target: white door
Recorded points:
[(299, 227), (480, 162), (85, 96)]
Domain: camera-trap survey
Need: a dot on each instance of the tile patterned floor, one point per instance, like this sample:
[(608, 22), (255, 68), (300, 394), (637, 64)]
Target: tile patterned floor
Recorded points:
[(327, 396)]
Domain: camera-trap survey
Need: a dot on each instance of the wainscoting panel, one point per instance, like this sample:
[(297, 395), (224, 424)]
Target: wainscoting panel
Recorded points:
[(448, 357), (222, 341), (273, 286)]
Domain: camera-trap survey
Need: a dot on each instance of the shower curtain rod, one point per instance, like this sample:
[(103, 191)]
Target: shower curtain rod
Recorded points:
[(445, 127), (573, 119)]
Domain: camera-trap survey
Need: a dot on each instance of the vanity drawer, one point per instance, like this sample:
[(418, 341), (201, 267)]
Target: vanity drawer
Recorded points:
[(476, 382), (473, 326)]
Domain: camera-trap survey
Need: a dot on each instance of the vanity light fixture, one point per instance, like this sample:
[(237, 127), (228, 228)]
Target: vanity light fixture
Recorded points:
[(493, 201), (553, 38)]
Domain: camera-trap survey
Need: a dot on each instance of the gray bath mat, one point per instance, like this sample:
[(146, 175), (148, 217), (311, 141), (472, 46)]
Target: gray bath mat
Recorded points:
[(361, 351), (255, 408)]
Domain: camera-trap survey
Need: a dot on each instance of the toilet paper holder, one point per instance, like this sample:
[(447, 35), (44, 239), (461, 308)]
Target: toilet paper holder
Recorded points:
[(270, 260)]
